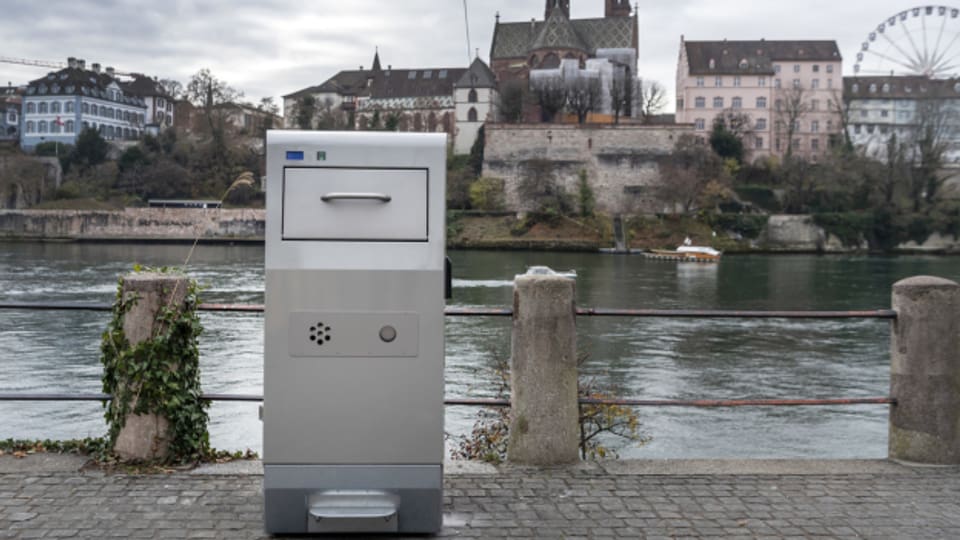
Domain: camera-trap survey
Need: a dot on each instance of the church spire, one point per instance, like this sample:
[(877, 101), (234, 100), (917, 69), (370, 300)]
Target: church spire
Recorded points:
[(376, 60), (563, 5)]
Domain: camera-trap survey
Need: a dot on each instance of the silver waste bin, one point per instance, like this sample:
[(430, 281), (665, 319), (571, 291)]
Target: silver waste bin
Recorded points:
[(354, 347)]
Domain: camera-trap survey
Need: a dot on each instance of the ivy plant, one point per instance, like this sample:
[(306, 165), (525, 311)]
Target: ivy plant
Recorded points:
[(160, 375)]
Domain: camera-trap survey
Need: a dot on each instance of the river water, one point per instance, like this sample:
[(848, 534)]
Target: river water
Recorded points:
[(54, 351)]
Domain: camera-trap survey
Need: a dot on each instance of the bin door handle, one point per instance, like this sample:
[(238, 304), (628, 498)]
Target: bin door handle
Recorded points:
[(382, 197)]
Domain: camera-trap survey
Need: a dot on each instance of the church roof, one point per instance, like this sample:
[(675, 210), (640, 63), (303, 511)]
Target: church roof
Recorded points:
[(557, 33), (404, 83), (477, 76), (517, 40), (754, 57)]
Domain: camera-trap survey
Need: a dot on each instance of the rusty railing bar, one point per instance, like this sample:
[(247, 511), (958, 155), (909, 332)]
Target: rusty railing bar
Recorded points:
[(508, 312), (491, 402)]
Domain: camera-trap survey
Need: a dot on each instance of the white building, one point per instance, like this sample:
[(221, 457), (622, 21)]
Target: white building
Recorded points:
[(475, 98)]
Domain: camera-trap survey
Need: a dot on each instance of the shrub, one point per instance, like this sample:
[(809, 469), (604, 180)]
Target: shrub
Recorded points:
[(487, 194), (760, 196), (746, 225)]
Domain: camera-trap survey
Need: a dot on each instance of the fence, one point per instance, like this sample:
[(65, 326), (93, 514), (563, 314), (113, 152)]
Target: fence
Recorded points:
[(924, 423)]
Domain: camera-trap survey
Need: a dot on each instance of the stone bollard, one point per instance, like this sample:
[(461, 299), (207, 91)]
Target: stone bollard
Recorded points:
[(146, 436), (925, 371), (544, 427)]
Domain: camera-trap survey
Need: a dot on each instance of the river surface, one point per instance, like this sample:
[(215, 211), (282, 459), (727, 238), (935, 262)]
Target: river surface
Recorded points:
[(57, 351)]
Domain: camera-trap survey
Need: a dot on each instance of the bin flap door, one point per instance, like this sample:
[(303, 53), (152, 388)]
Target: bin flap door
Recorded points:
[(355, 204)]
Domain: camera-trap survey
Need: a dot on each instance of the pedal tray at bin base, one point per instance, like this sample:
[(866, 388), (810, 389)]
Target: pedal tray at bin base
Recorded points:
[(353, 511)]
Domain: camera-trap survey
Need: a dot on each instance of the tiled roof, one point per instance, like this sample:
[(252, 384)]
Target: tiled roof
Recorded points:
[(478, 76), (406, 103), (80, 82), (396, 83), (558, 33), (144, 86), (910, 87), (754, 57), (517, 40)]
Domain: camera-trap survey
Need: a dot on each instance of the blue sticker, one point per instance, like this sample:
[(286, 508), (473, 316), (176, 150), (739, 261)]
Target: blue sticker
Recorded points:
[(294, 156)]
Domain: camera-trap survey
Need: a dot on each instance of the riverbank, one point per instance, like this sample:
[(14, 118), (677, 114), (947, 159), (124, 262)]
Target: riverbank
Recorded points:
[(465, 230)]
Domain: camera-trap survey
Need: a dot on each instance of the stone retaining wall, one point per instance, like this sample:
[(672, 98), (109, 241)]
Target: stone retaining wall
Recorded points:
[(178, 224)]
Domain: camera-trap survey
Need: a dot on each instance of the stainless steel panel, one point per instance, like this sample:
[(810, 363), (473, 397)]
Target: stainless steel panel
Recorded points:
[(331, 334), (355, 204)]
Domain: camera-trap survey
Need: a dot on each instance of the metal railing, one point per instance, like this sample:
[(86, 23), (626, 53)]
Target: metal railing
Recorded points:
[(878, 314)]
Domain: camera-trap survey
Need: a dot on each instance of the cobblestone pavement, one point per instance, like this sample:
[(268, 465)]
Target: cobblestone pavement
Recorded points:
[(584, 502)]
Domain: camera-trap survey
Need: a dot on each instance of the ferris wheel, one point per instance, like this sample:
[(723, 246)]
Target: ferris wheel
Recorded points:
[(922, 41)]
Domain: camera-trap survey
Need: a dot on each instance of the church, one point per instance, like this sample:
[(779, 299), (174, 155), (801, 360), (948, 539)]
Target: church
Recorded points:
[(519, 47)]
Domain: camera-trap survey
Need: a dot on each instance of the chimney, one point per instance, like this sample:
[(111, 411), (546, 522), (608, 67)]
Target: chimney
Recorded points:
[(95, 67), (72, 62), (110, 71), (81, 63)]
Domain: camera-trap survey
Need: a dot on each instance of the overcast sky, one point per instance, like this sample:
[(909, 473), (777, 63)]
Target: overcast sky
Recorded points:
[(276, 47)]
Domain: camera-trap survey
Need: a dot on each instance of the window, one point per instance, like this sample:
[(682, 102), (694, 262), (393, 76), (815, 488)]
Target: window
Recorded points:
[(160, 103), (814, 104), (816, 68), (472, 115), (829, 83), (796, 68), (870, 129), (796, 83), (761, 102), (829, 68), (814, 84), (85, 107), (776, 83), (815, 126), (43, 107), (472, 96), (31, 107), (700, 102), (776, 144), (68, 107), (736, 81), (761, 81), (815, 145), (758, 143), (699, 81), (55, 107), (884, 114), (412, 75), (110, 131), (679, 103), (796, 126), (442, 74), (69, 127), (713, 64), (796, 144), (42, 126), (737, 103), (54, 127), (427, 74), (718, 81), (700, 124), (30, 127), (761, 124), (856, 128), (863, 113), (718, 103), (829, 125), (744, 64), (873, 88), (778, 104), (776, 68), (886, 88)]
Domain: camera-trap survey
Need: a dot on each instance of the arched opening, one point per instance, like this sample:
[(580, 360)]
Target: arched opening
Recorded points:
[(446, 123), (432, 122), (472, 97), (418, 122), (550, 61), (472, 115)]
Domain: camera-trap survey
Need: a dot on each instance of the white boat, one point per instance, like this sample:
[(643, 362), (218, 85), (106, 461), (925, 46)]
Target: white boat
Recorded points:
[(686, 252)]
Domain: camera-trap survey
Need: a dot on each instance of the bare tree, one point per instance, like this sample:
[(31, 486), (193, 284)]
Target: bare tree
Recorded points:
[(731, 135), (935, 125), (512, 94), (208, 93), (173, 88), (687, 171), (583, 97), (790, 107), (839, 104), (653, 100), (622, 91), (550, 94)]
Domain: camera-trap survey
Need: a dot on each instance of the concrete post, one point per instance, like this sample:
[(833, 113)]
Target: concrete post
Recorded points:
[(146, 437), (543, 372), (925, 371)]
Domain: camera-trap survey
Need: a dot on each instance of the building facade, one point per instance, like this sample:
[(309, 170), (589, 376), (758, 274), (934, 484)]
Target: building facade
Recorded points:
[(57, 107), (160, 114), (10, 104), (880, 108), (432, 100), (790, 90)]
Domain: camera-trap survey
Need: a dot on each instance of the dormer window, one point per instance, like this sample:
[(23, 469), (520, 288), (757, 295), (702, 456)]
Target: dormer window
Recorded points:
[(713, 64), (873, 88), (856, 87), (886, 88), (744, 64)]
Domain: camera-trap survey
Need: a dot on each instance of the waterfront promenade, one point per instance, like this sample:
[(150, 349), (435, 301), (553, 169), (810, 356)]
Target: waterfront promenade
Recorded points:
[(46, 496)]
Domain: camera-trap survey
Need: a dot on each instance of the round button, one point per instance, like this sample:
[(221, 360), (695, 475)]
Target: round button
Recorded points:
[(388, 334)]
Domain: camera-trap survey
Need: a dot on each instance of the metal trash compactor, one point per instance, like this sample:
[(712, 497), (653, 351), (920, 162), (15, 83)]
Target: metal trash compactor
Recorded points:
[(354, 344)]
